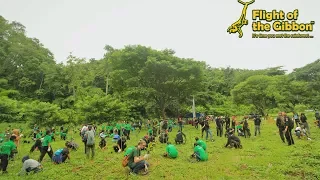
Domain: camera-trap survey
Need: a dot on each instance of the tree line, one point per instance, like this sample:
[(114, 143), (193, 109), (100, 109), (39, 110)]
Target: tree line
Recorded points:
[(137, 82)]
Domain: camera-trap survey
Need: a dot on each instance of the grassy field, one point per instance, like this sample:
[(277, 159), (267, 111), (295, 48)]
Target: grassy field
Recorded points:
[(262, 157)]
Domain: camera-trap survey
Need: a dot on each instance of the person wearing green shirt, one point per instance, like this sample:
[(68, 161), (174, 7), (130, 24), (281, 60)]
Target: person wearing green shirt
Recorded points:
[(118, 127), (171, 151), (109, 130), (63, 135), (37, 144), (46, 148), (127, 129), (200, 143), (136, 161), (199, 153), (150, 132), (2, 136), (129, 150), (5, 152)]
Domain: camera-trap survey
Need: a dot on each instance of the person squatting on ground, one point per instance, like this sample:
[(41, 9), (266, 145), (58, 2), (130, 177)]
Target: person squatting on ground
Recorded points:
[(233, 141), (61, 155), (257, 123), (171, 151), (5, 151), (137, 162), (300, 131), (180, 137), (201, 143), (30, 165), (121, 145), (103, 142), (199, 153), (46, 148), (281, 126), (289, 124)]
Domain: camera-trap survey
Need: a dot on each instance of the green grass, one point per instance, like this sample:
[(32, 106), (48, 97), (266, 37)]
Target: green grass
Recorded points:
[(262, 157)]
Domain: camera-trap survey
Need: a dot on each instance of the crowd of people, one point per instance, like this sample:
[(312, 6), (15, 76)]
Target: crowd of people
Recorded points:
[(119, 134)]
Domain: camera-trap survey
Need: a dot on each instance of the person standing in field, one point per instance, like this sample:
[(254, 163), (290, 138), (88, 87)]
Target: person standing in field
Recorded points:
[(233, 123), (90, 144), (227, 122), (219, 126), (296, 118), (5, 151), (289, 124), (281, 126), (257, 123), (46, 148), (304, 122)]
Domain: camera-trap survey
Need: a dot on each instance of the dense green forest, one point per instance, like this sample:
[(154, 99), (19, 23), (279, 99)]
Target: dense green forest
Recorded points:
[(137, 82)]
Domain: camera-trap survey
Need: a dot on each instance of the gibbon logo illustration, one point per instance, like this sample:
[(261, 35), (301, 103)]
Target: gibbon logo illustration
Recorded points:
[(236, 26)]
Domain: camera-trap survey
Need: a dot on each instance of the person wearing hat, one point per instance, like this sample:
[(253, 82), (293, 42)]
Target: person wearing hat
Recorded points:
[(29, 165), (171, 151)]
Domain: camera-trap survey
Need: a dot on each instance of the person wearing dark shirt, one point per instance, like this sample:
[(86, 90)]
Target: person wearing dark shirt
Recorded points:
[(257, 123), (227, 122), (246, 129), (202, 127), (207, 129), (281, 126), (233, 123), (219, 126), (121, 145), (180, 123), (288, 128), (304, 122)]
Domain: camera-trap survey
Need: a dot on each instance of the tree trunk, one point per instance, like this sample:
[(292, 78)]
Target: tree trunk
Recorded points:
[(107, 85), (163, 112)]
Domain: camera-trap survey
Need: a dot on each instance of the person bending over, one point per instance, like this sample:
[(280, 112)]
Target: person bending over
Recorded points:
[(200, 143), (199, 153), (171, 151), (29, 165), (61, 155)]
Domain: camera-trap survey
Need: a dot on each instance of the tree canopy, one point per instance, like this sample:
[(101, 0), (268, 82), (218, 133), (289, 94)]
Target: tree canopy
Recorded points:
[(136, 82)]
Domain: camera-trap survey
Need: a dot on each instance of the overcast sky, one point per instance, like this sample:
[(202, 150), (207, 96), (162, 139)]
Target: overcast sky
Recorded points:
[(193, 28)]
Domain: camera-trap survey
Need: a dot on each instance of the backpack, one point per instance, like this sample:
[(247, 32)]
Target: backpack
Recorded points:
[(90, 138), (125, 161)]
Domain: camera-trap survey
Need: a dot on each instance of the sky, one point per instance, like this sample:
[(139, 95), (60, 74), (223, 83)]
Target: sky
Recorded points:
[(193, 28)]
